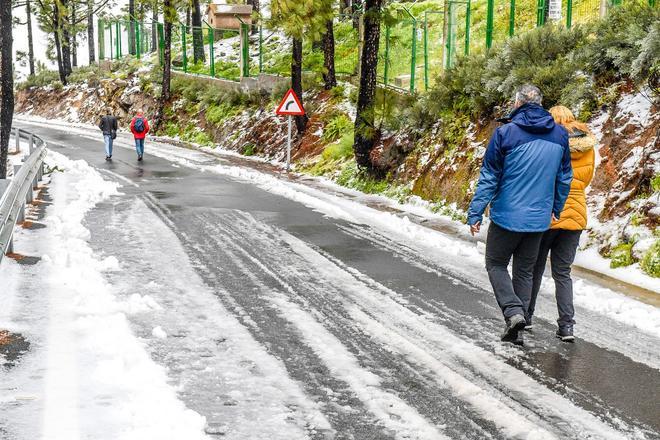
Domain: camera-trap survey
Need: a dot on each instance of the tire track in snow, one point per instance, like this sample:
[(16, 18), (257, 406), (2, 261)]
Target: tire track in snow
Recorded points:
[(481, 367), (344, 411), (559, 409), (598, 329), (218, 368)]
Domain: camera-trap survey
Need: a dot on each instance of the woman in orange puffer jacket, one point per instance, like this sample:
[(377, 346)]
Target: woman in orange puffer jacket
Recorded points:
[(562, 239)]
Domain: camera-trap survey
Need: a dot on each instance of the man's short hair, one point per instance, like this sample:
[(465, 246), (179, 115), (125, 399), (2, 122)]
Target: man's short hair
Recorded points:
[(528, 94)]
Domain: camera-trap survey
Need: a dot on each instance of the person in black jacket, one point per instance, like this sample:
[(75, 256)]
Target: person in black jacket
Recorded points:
[(108, 126)]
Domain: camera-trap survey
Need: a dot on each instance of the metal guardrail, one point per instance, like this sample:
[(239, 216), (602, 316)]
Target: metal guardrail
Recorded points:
[(18, 192)]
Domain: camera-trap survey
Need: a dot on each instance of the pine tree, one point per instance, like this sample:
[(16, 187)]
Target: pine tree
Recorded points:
[(328, 44), (300, 19), (90, 32), (198, 33), (170, 16), (6, 83), (365, 131)]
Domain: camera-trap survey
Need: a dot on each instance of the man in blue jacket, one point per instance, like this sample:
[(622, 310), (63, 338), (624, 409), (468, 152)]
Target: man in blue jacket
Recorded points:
[(525, 178)]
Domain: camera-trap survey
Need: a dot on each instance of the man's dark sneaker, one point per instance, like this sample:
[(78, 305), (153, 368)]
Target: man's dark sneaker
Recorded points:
[(528, 325), (519, 339), (566, 333), (139, 158), (513, 325), (107, 158)]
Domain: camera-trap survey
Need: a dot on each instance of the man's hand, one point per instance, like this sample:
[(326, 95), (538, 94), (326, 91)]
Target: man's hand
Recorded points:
[(475, 228), (554, 219)]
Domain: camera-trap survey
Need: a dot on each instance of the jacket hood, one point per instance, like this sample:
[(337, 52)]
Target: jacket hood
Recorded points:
[(533, 118), (581, 142)]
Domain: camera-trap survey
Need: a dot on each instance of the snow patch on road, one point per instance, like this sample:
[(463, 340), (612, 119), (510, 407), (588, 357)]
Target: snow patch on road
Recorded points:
[(98, 380)]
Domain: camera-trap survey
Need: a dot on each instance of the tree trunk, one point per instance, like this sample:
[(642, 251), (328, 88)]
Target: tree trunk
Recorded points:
[(255, 5), (74, 42), (167, 62), (345, 6), (356, 9), (154, 29), (188, 12), (255, 8), (28, 13), (6, 84), (198, 33), (329, 77), (365, 130), (296, 81), (131, 28), (90, 31), (58, 42), (65, 42)]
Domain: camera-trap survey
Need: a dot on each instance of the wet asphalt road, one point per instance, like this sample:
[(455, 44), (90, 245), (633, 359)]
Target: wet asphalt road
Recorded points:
[(231, 231)]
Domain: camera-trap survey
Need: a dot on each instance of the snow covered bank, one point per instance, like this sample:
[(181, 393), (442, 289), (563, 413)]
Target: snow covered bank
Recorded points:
[(96, 380)]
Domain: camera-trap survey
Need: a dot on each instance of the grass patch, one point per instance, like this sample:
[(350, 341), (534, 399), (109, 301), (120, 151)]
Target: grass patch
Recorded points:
[(621, 255), (651, 261), (336, 127)]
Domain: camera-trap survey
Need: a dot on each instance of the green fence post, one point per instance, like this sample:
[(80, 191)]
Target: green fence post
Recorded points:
[(413, 61), (426, 51), (540, 15), (489, 23), (467, 27), (512, 18), (211, 50), (101, 39), (450, 35), (386, 70), (110, 46), (138, 43), (161, 43), (117, 40), (569, 13), (261, 48), (184, 48), (245, 50)]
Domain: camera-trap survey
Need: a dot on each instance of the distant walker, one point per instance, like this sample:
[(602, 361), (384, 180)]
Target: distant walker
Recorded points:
[(139, 128)]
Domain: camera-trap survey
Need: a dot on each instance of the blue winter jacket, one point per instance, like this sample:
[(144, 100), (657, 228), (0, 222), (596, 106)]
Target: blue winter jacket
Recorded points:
[(526, 173)]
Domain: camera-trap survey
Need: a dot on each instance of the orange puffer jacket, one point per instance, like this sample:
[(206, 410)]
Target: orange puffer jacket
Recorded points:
[(583, 156)]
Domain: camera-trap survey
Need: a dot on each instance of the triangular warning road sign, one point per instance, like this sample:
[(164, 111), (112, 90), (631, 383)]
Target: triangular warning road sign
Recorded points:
[(290, 105)]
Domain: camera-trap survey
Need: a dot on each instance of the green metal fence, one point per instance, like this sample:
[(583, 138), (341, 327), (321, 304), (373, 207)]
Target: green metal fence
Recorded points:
[(412, 53), (119, 38)]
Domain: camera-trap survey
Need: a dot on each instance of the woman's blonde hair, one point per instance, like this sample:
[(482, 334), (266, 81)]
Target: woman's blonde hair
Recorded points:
[(564, 116)]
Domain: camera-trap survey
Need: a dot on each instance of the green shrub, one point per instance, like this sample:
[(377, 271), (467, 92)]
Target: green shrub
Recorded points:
[(651, 261), (655, 183), (249, 150), (215, 114), (41, 79), (341, 150), (621, 255), (336, 127)]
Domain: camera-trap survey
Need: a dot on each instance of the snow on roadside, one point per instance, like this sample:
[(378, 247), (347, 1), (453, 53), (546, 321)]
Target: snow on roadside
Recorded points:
[(96, 373)]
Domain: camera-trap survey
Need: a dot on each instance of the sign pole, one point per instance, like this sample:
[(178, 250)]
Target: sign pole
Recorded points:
[(290, 106), (288, 145)]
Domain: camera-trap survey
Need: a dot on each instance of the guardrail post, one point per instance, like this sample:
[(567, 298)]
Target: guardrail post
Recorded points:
[(31, 143), (21, 212), (4, 184), (17, 135)]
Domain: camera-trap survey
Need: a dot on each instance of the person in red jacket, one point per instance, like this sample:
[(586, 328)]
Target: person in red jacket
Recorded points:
[(139, 128)]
